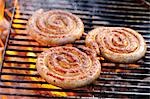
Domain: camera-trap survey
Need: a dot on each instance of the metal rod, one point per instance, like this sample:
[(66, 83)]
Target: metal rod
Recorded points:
[(7, 39)]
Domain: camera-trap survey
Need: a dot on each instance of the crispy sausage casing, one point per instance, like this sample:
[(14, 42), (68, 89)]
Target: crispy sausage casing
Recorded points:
[(117, 44), (54, 27), (68, 67)]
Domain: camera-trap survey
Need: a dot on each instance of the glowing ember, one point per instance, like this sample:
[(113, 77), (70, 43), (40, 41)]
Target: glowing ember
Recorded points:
[(19, 21), (18, 25)]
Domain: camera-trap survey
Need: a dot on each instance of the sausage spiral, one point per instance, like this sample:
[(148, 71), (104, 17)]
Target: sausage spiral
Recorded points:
[(117, 44), (68, 67), (54, 27)]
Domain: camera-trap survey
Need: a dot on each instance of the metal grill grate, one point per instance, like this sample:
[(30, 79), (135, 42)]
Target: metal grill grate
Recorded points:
[(117, 80)]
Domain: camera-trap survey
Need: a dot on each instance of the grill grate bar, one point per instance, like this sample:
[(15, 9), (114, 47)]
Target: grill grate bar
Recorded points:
[(102, 73), (36, 95), (99, 2), (113, 25), (79, 91), (57, 97), (39, 46), (120, 15), (83, 91), (87, 5), (100, 79)]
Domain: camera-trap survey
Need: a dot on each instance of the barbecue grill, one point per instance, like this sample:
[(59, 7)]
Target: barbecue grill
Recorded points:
[(18, 73)]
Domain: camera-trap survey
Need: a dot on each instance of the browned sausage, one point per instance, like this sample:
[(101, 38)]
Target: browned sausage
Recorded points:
[(55, 27), (117, 44), (68, 67)]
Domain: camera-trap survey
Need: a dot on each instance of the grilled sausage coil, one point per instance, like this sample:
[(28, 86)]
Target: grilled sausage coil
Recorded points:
[(68, 67), (117, 44), (54, 27)]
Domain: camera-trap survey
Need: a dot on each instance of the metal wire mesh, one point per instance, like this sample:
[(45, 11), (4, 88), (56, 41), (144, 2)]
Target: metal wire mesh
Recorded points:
[(116, 80)]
